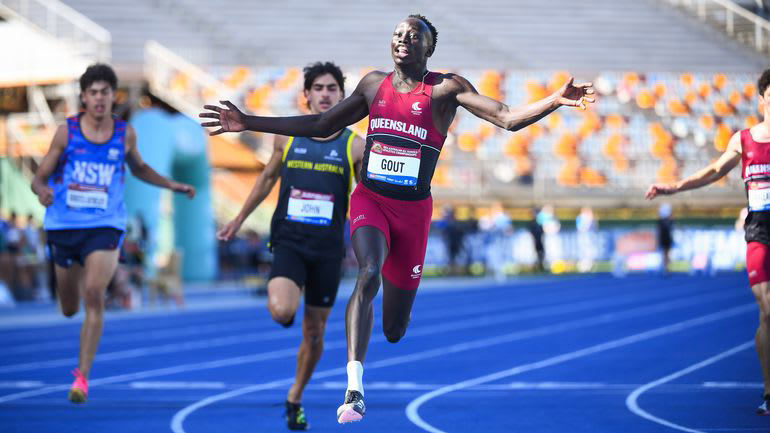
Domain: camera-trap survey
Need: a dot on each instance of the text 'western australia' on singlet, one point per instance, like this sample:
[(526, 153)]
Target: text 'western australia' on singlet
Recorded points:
[(402, 143), (88, 182), (316, 177), (755, 163)]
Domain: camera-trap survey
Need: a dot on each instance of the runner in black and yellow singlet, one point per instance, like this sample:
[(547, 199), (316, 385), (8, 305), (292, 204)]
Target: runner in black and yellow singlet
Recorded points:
[(307, 229)]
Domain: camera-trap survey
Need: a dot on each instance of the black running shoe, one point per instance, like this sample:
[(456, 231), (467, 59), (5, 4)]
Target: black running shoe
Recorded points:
[(353, 409), (295, 417), (764, 408)]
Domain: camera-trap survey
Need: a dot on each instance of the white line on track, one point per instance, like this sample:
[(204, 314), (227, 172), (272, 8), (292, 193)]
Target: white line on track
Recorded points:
[(280, 334), (177, 422), (632, 399), (414, 406)]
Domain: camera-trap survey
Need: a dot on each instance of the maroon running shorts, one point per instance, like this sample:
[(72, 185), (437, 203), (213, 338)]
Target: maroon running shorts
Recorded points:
[(757, 262), (405, 224)]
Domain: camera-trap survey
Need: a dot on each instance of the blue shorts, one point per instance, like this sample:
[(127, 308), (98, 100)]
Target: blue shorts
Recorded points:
[(68, 246)]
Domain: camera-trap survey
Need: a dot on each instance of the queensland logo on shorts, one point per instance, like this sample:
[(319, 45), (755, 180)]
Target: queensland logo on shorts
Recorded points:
[(416, 271), (416, 109)]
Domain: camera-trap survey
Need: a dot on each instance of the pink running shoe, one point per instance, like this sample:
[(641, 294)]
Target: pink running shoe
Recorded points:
[(79, 391)]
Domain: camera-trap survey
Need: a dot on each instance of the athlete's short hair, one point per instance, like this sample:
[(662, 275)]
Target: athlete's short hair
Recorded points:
[(763, 82), (430, 25), (317, 69), (98, 72)]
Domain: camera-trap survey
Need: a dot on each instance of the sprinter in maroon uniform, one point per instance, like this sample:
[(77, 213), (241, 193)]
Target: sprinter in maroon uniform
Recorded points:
[(410, 110), (750, 147)]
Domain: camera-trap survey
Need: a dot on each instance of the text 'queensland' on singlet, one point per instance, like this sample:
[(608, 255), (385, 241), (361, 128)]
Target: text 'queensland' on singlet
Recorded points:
[(88, 182), (402, 143), (755, 164), (316, 177)]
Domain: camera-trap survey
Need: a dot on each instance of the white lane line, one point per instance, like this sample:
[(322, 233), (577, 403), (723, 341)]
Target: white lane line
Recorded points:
[(177, 422), (734, 385), (280, 334), (177, 385), (414, 406), (632, 399)]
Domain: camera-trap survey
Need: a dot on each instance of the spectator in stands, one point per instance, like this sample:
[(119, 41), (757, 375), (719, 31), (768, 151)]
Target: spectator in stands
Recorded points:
[(14, 238), (551, 226), (586, 238), (32, 254), (536, 229), (454, 234), (665, 240)]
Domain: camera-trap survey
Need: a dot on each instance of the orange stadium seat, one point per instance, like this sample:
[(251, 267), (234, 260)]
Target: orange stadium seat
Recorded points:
[(570, 173), (615, 121), (557, 80), (722, 137), (535, 91), (468, 142), (535, 130), (645, 99), (591, 123), (690, 98), (591, 177), (224, 153), (566, 146), (613, 147), (659, 90), (735, 98), (720, 81), (749, 91), (751, 121), (669, 171), (722, 108), (490, 84), (485, 131), (706, 122), (553, 121), (288, 79), (704, 90), (523, 165), (179, 83), (686, 79), (517, 145), (620, 164), (257, 98), (677, 107), (631, 79), (237, 77)]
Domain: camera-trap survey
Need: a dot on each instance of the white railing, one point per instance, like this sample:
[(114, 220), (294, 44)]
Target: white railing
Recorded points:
[(180, 83), (61, 21), (733, 19)]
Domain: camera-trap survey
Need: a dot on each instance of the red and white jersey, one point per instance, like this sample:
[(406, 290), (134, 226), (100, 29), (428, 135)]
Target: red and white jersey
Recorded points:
[(755, 162), (402, 143)]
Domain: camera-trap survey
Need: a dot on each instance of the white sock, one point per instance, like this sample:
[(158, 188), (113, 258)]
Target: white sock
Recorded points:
[(355, 376)]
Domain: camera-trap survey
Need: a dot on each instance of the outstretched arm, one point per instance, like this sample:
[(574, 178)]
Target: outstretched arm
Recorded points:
[(46, 168), (515, 118), (705, 176), (349, 111), (262, 187), (143, 171)]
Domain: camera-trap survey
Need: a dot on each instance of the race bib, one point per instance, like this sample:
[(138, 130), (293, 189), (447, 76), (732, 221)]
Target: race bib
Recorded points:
[(759, 196), (87, 197), (310, 207), (391, 164)]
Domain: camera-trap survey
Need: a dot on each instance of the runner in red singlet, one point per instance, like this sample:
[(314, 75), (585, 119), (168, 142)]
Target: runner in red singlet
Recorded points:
[(410, 110), (750, 147)]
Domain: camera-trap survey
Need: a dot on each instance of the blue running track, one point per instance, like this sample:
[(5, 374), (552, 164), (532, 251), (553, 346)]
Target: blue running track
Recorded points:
[(571, 354)]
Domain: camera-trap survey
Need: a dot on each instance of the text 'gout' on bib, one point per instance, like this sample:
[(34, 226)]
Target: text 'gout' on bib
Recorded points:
[(393, 164)]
